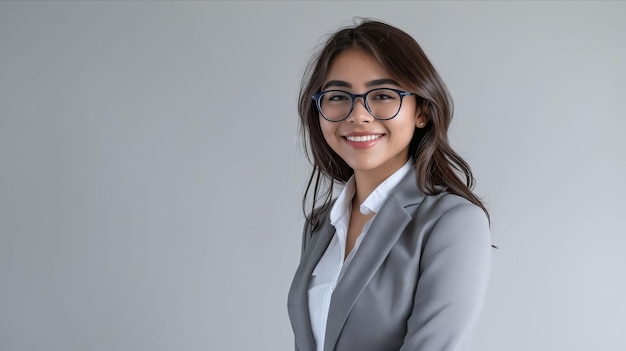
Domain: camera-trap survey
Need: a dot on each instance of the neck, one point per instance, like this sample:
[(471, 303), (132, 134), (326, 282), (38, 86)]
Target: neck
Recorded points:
[(367, 181)]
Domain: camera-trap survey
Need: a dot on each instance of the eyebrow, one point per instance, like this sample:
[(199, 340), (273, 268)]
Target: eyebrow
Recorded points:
[(375, 82)]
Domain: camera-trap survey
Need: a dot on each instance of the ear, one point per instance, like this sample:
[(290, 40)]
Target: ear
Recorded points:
[(421, 118)]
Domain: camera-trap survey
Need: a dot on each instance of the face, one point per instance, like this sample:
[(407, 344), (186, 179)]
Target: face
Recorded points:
[(368, 145)]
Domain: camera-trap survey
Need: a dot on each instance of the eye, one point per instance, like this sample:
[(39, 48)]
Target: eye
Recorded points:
[(337, 97), (384, 95)]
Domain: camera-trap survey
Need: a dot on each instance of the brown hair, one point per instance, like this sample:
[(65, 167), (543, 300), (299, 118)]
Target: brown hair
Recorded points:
[(439, 168)]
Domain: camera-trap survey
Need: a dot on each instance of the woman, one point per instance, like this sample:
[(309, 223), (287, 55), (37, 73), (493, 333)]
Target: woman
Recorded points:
[(400, 260)]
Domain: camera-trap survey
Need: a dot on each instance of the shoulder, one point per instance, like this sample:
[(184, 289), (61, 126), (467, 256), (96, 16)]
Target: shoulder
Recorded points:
[(319, 216), (441, 203), (454, 219)]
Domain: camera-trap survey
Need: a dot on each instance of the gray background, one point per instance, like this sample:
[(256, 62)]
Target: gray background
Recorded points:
[(151, 173)]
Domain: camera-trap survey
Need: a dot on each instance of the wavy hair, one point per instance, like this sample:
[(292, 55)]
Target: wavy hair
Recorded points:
[(439, 167)]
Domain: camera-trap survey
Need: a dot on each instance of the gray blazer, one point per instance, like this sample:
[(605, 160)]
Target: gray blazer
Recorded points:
[(417, 282)]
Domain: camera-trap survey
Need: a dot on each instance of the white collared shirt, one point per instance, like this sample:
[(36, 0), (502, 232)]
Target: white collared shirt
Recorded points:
[(331, 266)]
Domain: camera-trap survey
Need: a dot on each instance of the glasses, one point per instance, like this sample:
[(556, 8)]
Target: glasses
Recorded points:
[(381, 103)]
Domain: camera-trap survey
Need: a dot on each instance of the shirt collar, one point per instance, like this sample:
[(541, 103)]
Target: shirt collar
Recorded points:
[(341, 208), (375, 200)]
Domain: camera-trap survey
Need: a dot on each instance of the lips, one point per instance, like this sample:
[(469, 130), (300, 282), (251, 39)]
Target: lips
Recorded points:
[(362, 140)]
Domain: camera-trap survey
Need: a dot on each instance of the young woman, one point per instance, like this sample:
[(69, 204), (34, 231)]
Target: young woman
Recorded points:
[(400, 260)]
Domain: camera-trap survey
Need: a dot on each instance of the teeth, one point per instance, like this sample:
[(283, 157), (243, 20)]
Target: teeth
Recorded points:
[(363, 138)]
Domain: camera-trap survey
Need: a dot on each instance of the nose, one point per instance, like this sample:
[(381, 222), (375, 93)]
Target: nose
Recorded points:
[(359, 113)]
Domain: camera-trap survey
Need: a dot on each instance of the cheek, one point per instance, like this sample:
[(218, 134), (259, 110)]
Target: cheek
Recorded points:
[(403, 129), (328, 130)]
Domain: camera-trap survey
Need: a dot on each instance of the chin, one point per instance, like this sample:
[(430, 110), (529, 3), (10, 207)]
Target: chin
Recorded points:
[(364, 165)]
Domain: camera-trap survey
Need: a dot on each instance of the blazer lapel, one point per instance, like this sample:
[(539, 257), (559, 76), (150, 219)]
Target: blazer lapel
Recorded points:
[(385, 230), (298, 296)]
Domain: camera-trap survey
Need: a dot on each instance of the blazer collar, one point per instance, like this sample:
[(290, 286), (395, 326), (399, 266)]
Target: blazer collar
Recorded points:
[(298, 296), (385, 230), (382, 235)]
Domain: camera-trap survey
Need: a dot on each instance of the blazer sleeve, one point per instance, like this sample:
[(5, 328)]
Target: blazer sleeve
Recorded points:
[(454, 275), (306, 236)]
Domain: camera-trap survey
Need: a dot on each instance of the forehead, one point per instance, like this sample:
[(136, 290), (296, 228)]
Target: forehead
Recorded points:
[(356, 67)]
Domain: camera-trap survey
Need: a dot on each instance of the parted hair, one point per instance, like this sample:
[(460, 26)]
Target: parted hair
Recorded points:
[(439, 167)]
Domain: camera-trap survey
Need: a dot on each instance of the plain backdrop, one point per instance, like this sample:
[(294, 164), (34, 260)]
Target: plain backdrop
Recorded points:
[(151, 173)]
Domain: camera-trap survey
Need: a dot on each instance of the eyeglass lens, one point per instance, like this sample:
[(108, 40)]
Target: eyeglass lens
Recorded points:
[(381, 103)]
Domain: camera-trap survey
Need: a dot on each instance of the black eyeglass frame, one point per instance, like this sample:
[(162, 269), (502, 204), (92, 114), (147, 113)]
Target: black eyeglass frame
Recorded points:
[(318, 99)]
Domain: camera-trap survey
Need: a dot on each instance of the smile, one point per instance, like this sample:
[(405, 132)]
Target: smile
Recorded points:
[(362, 138)]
